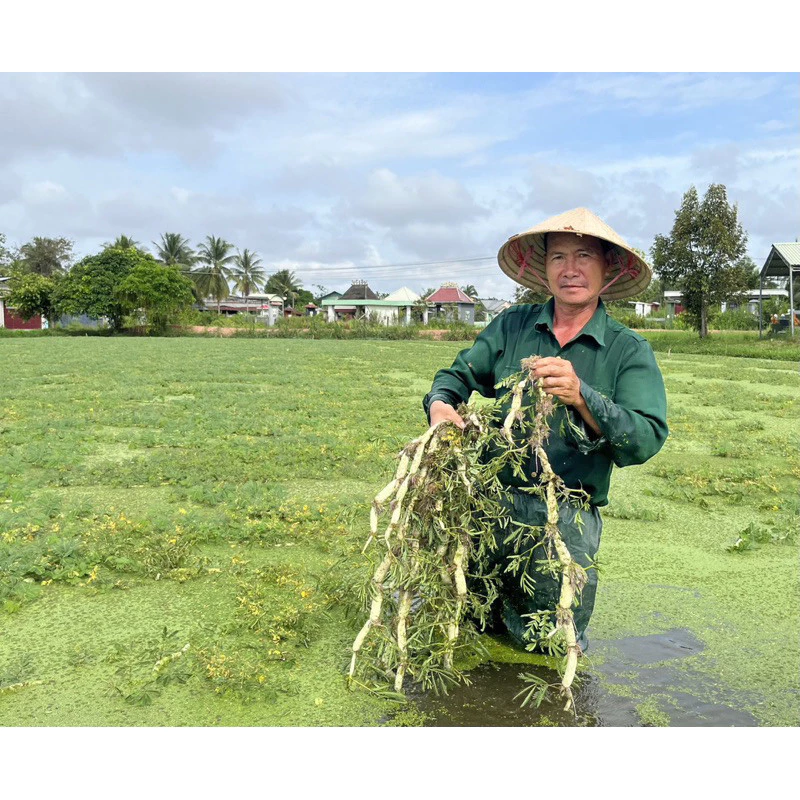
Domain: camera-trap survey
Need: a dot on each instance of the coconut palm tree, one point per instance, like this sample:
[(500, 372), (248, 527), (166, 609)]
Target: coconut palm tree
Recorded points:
[(470, 291), (247, 274), (214, 256), (285, 283), (44, 256), (123, 242), (175, 250)]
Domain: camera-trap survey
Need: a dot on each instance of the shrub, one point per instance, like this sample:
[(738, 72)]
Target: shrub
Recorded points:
[(739, 319)]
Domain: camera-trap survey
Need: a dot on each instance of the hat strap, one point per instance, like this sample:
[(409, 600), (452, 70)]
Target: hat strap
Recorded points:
[(521, 259), (630, 268)]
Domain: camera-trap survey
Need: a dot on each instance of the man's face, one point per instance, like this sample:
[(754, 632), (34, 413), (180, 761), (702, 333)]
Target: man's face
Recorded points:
[(576, 268)]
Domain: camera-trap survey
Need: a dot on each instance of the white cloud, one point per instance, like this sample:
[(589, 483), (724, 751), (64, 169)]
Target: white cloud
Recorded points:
[(180, 194), (426, 199), (667, 93), (557, 187), (773, 125), (43, 192)]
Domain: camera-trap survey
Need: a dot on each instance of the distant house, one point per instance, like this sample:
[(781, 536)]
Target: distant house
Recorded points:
[(359, 301), (673, 300), (450, 303), (9, 319), (493, 306), (268, 307), (407, 297), (643, 309), (312, 309)]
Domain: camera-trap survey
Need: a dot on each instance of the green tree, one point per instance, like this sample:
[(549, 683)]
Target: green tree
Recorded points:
[(7, 255), (175, 250), (534, 296), (701, 254), (123, 242), (285, 283), (304, 297), (214, 272), (45, 256), (751, 272), (156, 291), (90, 287), (248, 275), (322, 290), (31, 294), (470, 291)]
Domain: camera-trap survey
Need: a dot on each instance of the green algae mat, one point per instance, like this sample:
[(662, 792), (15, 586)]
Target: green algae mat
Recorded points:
[(181, 523)]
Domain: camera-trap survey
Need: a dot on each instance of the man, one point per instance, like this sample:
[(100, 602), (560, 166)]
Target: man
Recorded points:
[(604, 374)]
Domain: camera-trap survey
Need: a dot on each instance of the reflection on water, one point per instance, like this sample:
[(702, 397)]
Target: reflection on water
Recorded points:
[(632, 673)]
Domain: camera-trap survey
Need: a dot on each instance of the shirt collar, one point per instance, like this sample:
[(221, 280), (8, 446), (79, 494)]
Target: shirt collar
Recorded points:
[(595, 327)]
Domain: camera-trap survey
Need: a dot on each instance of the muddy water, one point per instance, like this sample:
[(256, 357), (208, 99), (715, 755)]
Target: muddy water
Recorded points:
[(633, 677)]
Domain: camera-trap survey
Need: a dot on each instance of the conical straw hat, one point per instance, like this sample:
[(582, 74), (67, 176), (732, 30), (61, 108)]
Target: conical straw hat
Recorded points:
[(523, 254)]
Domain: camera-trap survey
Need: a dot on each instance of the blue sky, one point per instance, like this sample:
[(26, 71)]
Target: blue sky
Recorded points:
[(339, 176)]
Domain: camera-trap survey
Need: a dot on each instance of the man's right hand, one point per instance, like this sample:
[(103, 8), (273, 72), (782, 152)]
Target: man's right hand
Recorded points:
[(441, 411)]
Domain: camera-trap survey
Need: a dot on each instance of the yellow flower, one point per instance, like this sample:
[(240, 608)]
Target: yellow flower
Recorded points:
[(181, 510)]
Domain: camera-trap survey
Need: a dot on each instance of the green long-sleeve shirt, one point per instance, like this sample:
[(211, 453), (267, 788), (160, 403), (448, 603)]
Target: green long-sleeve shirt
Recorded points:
[(620, 382)]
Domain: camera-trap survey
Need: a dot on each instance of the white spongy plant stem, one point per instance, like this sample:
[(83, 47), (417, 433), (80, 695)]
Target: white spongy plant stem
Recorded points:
[(516, 405), (403, 609), (564, 616), (375, 608), (428, 438), (460, 583), (384, 495)]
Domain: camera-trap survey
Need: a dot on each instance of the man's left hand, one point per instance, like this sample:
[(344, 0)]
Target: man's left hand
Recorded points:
[(559, 379)]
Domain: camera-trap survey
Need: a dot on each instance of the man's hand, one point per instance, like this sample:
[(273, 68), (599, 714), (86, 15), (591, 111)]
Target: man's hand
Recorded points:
[(441, 411), (559, 379)]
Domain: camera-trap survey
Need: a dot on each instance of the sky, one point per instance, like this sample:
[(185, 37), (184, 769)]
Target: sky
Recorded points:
[(398, 178)]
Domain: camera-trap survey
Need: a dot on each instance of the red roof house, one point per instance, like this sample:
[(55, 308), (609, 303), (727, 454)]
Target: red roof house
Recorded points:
[(449, 302), (449, 293)]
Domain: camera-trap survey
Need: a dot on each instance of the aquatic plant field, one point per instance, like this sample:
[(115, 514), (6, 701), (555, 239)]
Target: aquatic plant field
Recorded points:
[(181, 524)]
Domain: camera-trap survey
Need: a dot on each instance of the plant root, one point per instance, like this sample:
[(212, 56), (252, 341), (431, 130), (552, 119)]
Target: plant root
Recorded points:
[(444, 505)]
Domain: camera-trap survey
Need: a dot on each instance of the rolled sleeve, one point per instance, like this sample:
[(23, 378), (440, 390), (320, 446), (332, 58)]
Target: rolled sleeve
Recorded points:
[(634, 423), (472, 371)]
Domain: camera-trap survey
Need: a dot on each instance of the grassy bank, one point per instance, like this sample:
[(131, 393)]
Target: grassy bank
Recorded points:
[(741, 344), (159, 493)]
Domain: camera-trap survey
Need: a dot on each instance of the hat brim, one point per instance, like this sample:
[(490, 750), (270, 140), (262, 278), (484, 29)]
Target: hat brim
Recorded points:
[(523, 254)]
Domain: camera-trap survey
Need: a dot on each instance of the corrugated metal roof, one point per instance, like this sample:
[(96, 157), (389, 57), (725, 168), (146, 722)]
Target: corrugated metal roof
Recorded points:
[(790, 252), (493, 305), (781, 256)]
